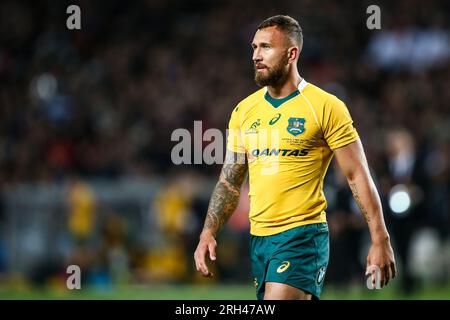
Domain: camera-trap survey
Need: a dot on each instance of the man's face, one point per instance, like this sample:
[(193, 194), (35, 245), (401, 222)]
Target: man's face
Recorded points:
[(270, 57)]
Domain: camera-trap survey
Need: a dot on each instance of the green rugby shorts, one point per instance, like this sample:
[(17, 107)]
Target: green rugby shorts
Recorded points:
[(297, 257)]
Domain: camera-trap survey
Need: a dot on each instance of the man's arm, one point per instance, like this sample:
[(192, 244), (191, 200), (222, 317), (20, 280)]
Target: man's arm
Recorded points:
[(224, 201), (353, 163)]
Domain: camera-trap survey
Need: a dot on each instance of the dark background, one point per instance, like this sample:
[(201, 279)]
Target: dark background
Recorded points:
[(86, 118)]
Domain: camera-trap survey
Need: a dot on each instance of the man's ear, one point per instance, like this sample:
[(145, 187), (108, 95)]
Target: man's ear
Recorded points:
[(293, 53)]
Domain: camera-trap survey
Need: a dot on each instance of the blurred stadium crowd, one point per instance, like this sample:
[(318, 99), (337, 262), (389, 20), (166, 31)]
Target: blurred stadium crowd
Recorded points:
[(93, 109)]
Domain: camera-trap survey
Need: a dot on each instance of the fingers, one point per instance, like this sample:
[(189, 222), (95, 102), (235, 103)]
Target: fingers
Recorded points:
[(393, 269), (376, 278), (200, 263), (381, 265), (380, 276), (389, 272), (374, 273), (386, 275), (199, 257), (370, 270), (212, 251)]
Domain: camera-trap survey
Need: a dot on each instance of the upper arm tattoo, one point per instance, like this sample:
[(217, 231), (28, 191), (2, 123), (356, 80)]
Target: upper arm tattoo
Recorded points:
[(225, 197), (235, 168)]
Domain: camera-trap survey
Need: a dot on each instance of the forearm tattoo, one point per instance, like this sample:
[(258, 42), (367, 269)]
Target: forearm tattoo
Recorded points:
[(358, 201), (225, 196)]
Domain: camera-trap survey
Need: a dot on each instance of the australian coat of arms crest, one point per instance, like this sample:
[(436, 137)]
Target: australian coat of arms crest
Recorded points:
[(296, 126)]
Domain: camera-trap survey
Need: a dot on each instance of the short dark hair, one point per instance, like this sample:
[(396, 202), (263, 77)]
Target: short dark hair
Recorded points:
[(286, 24)]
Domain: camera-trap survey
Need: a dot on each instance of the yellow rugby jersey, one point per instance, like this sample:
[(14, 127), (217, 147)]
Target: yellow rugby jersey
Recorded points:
[(289, 145)]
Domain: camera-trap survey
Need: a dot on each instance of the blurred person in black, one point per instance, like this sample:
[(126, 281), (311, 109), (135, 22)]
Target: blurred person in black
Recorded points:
[(402, 166)]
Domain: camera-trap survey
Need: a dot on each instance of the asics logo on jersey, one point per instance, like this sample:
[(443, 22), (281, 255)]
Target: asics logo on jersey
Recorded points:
[(283, 267), (275, 119), (320, 275)]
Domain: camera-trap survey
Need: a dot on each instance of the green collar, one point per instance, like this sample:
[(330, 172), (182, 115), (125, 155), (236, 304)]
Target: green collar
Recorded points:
[(278, 102)]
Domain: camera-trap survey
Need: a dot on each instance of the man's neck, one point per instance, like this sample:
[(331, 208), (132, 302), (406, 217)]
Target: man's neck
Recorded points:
[(289, 86)]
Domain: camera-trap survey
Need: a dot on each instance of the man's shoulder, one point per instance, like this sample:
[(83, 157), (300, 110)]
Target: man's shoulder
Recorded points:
[(322, 101), (315, 92), (250, 100)]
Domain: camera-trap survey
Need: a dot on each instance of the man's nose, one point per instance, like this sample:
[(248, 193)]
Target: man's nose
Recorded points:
[(256, 56)]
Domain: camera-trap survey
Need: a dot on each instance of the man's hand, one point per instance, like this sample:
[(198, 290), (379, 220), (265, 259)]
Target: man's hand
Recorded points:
[(224, 201), (207, 244), (381, 255), (353, 163)]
